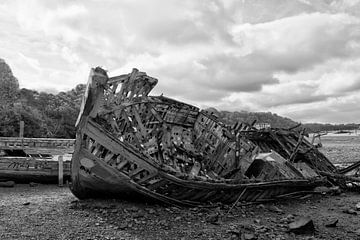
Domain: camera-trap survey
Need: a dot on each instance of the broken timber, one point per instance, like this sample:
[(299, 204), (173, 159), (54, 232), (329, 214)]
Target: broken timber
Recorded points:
[(131, 144), (26, 160)]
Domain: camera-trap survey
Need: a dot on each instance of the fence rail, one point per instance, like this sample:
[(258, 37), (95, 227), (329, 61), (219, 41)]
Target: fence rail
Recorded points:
[(36, 168), (43, 145)]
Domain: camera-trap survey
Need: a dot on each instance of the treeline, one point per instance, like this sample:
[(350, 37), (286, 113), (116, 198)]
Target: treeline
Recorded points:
[(44, 114), (54, 115), (277, 121), (273, 119), (317, 127)]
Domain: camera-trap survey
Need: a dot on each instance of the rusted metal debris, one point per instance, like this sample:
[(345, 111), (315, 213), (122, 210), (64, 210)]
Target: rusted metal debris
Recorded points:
[(129, 143)]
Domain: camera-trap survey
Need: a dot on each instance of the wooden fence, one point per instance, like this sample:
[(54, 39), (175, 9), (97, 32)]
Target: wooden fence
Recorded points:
[(34, 149)]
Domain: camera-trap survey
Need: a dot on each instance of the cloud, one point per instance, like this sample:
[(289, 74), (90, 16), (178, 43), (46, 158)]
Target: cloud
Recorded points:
[(283, 56), (335, 110)]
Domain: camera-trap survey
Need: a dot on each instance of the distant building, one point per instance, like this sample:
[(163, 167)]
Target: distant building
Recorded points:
[(261, 126)]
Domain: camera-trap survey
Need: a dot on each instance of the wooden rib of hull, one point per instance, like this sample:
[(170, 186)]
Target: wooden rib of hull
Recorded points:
[(129, 174)]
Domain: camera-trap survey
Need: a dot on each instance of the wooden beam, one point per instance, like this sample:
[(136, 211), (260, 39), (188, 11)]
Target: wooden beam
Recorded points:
[(21, 134), (61, 171), (293, 154)]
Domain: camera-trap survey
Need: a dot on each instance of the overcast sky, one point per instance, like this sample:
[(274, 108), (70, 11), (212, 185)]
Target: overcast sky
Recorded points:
[(299, 59)]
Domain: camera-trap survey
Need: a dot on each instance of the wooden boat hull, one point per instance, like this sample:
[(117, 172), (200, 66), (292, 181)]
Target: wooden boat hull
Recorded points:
[(132, 145), (95, 176), (25, 170)]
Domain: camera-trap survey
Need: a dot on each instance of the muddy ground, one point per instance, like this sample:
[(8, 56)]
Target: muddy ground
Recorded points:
[(341, 148), (50, 212)]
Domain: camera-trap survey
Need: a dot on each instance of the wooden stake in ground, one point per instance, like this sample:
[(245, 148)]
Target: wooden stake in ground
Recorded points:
[(61, 171), (21, 133)]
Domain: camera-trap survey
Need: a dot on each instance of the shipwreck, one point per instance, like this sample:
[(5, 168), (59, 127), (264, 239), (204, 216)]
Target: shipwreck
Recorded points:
[(131, 144)]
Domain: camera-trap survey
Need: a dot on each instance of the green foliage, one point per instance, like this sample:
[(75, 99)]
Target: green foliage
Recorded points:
[(53, 116), (9, 122), (9, 86), (44, 114)]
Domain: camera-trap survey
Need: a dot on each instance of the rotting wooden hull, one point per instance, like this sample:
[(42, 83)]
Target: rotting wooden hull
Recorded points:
[(119, 159), (101, 179), (25, 170)]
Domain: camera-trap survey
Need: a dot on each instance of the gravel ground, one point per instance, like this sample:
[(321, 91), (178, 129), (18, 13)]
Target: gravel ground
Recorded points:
[(44, 212), (50, 212)]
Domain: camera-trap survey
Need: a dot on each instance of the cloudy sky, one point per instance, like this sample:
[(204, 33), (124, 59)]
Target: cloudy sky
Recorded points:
[(299, 59)]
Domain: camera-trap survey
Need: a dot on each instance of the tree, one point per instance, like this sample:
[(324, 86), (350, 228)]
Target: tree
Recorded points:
[(9, 89), (9, 86), (9, 122)]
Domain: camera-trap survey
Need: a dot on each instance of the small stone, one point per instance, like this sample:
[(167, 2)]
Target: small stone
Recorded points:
[(357, 207), (213, 218), (234, 237), (335, 190), (175, 208), (332, 223), (123, 226), (302, 225), (26, 203), (151, 211), (235, 234), (177, 218), (168, 210), (249, 236), (261, 206), (350, 211), (274, 208), (32, 184), (138, 214), (257, 221), (134, 209), (162, 222)]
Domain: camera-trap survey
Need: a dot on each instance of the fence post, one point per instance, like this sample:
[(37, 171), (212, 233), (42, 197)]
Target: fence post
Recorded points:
[(61, 171), (21, 133)]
